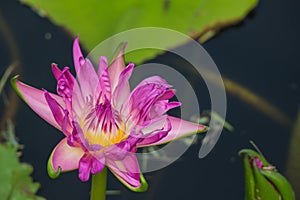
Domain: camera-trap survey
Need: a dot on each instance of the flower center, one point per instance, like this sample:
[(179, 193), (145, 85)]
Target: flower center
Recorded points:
[(102, 125)]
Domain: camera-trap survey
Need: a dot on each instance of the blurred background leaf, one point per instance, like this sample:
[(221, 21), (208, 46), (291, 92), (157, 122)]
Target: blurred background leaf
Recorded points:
[(95, 21), (15, 182)]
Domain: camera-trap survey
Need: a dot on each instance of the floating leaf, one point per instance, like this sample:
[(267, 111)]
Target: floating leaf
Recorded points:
[(95, 21)]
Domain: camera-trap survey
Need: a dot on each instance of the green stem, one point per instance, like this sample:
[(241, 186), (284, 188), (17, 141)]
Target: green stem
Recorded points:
[(99, 185)]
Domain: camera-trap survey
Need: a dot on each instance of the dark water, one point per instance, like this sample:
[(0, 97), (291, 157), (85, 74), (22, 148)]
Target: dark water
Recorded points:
[(261, 53)]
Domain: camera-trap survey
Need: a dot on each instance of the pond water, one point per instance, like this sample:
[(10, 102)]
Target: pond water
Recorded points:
[(261, 54)]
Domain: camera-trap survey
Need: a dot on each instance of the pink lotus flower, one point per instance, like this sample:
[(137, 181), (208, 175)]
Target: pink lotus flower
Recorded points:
[(103, 122)]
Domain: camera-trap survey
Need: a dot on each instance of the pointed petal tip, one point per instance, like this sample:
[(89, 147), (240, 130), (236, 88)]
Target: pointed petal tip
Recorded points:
[(103, 58), (15, 77), (119, 53), (14, 80), (144, 185), (55, 70), (131, 65), (103, 65), (76, 40), (120, 48), (54, 66), (77, 54), (15, 84), (124, 45), (203, 128), (76, 43)]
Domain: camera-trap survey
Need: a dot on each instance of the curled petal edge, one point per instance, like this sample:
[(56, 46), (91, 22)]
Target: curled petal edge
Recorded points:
[(51, 171), (142, 188), (62, 148)]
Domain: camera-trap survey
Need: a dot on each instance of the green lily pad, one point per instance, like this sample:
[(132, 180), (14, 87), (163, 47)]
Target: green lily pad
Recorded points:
[(95, 21)]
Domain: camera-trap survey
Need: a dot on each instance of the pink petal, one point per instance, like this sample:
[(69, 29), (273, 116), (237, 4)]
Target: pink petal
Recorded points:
[(120, 150), (161, 107), (85, 71), (97, 165), (153, 138), (126, 170), (157, 123), (149, 99), (157, 133), (73, 90), (59, 114), (84, 168), (65, 157), (168, 94), (116, 68), (102, 65), (171, 105), (77, 99), (36, 100), (179, 128), (56, 71), (104, 79), (154, 80), (122, 90), (77, 55), (88, 79)]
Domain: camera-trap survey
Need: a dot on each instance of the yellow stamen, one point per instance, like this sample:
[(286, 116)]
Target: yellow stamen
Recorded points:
[(106, 139)]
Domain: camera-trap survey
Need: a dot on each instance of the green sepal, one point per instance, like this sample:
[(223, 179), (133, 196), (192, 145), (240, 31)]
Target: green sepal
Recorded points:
[(252, 153), (263, 188), (250, 182), (51, 171), (282, 185), (264, 183)]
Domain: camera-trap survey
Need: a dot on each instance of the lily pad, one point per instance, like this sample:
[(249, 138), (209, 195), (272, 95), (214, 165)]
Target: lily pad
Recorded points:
[(95, 21)]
